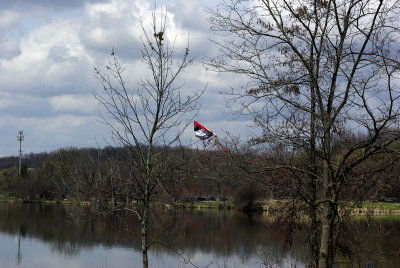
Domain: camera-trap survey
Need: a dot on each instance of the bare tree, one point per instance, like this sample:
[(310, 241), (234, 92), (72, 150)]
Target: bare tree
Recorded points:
[(321, 70), (147, 120)]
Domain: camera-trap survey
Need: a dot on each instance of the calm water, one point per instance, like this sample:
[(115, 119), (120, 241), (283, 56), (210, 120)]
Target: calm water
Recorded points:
[(47, 236)]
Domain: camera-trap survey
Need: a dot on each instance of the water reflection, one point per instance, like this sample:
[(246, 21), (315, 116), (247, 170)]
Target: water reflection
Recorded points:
[(19, 255), (46, 236)]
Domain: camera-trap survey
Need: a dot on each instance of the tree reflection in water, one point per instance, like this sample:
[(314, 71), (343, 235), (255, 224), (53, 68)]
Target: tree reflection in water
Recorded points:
[(220, 235)]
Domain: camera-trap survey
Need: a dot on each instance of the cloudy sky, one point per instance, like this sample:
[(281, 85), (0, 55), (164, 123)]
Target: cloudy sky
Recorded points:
[(48, 49)]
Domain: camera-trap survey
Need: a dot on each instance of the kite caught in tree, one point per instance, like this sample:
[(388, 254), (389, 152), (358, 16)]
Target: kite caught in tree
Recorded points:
[(205, 135), (202, 132)]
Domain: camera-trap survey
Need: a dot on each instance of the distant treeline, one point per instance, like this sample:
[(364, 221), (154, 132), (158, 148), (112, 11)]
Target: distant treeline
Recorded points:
[(35, 160), (31, 160), (69, 173), (64, 173)]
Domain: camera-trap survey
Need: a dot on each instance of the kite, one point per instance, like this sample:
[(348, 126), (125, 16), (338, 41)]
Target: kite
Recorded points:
[(202, 132), (207, 136)]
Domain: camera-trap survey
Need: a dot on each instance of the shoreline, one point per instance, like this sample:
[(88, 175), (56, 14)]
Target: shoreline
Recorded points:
[(272, 207)]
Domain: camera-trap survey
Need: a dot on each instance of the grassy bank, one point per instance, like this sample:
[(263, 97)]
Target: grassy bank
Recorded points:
[(269, 206), (277, 206), (47, 202), (375, 208), (207, 204)]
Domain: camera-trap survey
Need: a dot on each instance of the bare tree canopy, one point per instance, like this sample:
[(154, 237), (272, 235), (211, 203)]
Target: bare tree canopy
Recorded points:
[(316, 72), (152, 114)]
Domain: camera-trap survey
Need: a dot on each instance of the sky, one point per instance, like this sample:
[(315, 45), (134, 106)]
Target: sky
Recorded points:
[(48, 51)]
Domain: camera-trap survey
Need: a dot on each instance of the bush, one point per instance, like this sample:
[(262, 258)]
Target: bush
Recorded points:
[(246, 195)]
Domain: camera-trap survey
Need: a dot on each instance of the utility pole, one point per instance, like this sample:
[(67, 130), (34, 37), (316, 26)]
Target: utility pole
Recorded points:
[(20, 138)]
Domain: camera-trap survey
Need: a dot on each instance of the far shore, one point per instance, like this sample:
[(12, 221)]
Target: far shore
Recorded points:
[(272, 207)]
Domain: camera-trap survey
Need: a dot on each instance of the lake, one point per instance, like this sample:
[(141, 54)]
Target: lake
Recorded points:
[(34, 235)]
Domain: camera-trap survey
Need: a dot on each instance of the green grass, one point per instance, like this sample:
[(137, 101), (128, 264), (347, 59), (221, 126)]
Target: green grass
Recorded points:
[(371, 205), (206, 204), (381, 205)]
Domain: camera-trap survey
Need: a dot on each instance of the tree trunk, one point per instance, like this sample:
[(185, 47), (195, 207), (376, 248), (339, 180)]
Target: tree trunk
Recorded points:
[(327, 213), (146, 202), (313, 237), (144, 234), (313, 232), (325, 237), (328, 218)]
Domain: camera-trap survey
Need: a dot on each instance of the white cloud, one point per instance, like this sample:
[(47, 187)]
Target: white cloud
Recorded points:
[(47, 57), (8, 48), (50, 133), (9, 18), (85, 104), (114, 24), (39, 70)]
